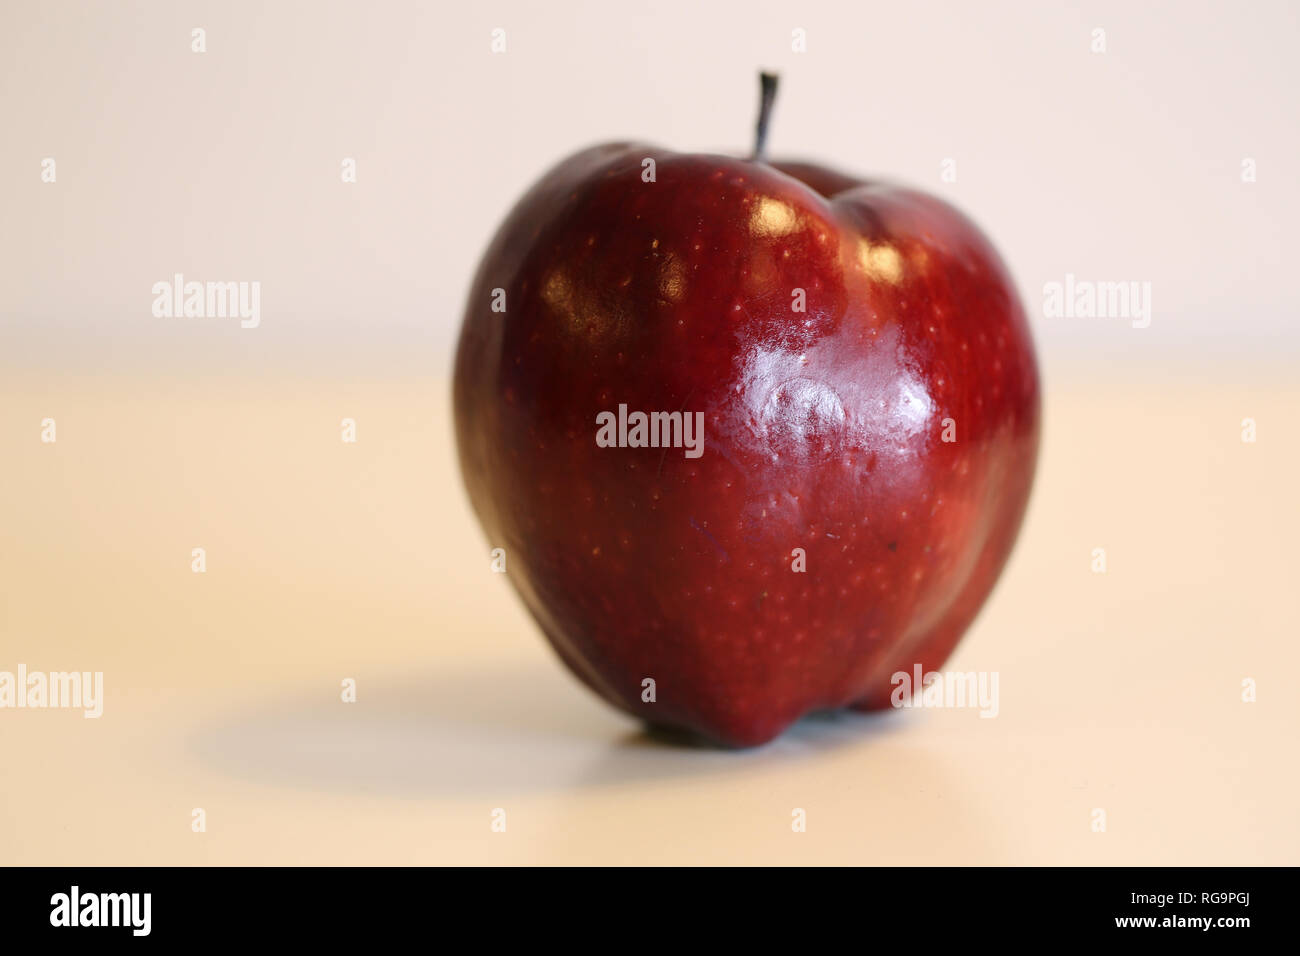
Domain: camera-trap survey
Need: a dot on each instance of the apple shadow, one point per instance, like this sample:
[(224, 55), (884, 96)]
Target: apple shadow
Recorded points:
[(480, 734)]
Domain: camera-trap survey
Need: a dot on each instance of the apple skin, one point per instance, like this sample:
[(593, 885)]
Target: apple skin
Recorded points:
[(824, 431)]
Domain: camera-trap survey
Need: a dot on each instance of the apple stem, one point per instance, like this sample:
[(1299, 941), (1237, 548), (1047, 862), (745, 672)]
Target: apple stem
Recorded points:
[(767, 94)]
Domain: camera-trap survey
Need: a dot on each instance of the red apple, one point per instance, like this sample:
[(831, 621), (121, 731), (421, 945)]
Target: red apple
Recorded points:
[(865, 464)]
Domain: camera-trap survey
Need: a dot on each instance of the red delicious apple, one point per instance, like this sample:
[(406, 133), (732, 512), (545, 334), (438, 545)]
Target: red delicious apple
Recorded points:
[(865, 461)]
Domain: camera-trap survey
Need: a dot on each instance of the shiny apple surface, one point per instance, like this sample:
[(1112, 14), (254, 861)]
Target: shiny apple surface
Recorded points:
[(870, 406)]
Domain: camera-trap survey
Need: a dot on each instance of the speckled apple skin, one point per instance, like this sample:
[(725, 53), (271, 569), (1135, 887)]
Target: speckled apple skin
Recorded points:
[(824, 431)]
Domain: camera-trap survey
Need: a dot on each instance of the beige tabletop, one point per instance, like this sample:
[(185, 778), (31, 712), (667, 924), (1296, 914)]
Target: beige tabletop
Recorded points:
[(329, 561)]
